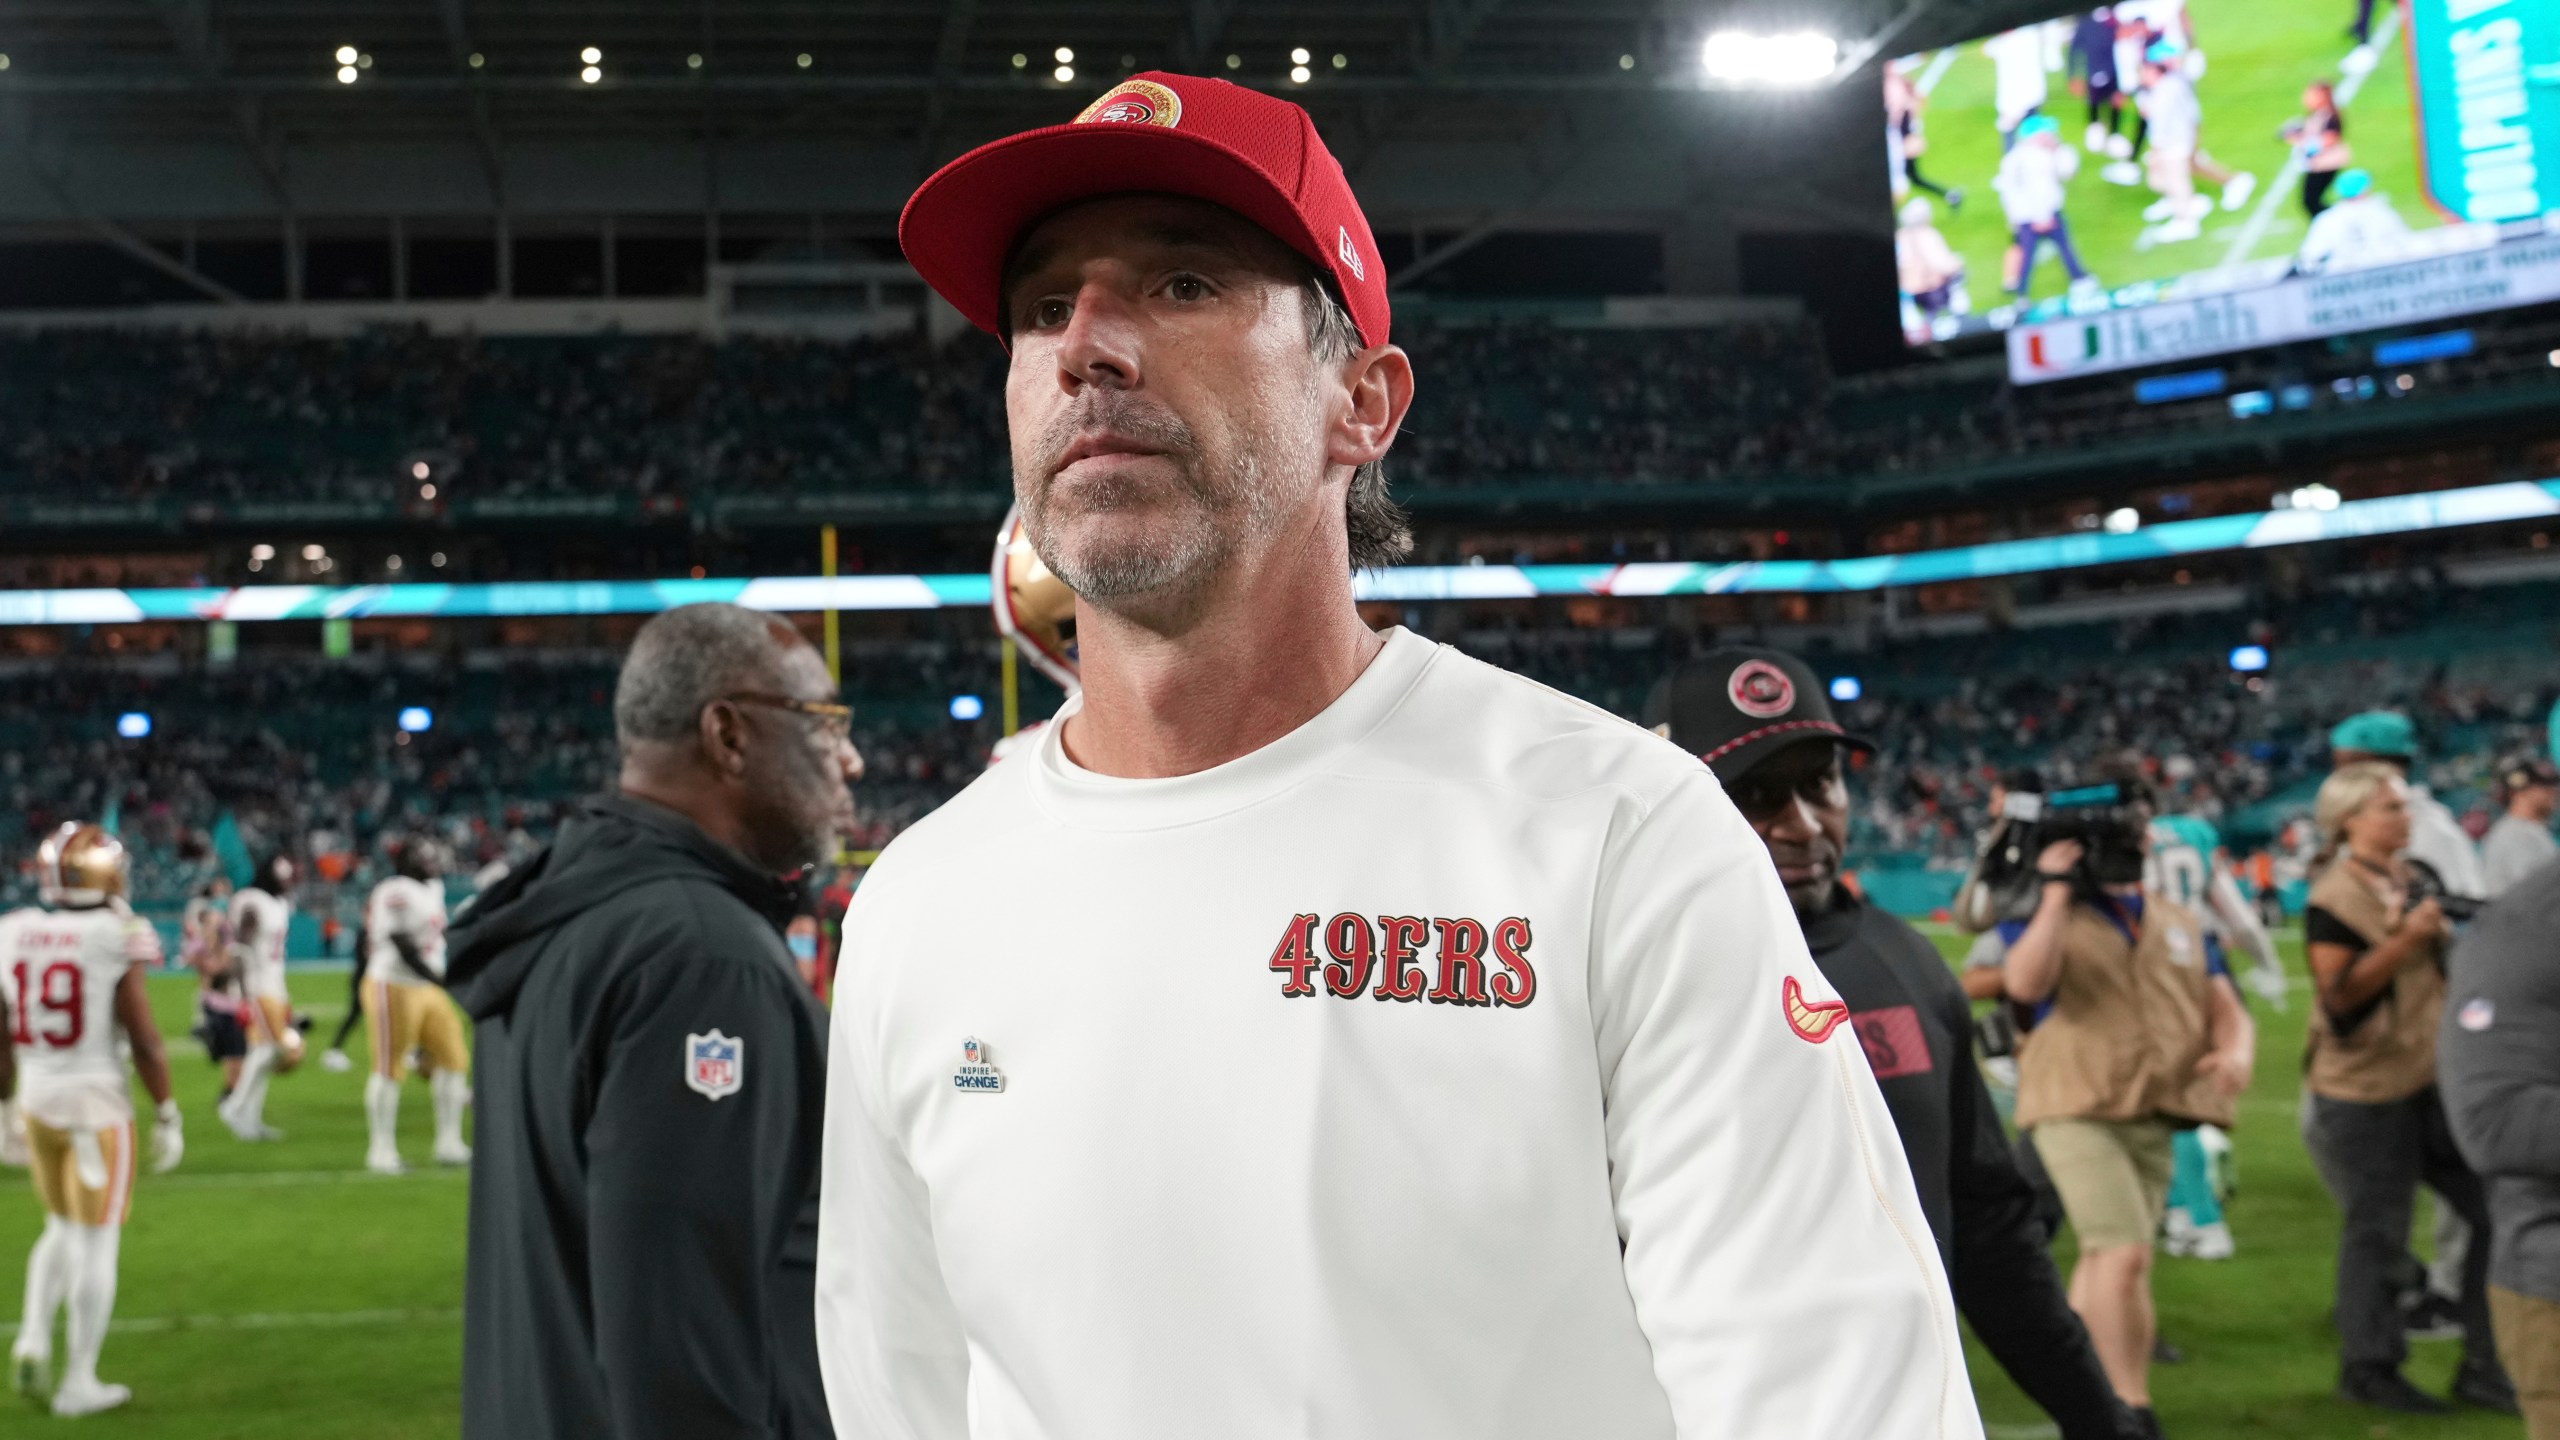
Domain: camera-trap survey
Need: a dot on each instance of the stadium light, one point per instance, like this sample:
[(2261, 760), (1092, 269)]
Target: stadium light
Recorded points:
[(693, 62), (134, 724), (1846, 689), (347, 54), (591, 56), (2123, 520), (418, 470), (1792, 57), (804, 59), (1299, 56), (346, 74), (591, 74), (262, 552), (2314, 496), (1340, 61), (2248, 659), (1063, 74), (967, 707), (1064, 55), (1300, 74), (417, 719), (313, 552)]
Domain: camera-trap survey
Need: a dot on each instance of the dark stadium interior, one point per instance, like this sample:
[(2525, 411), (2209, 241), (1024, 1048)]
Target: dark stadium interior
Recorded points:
[(463, 307)]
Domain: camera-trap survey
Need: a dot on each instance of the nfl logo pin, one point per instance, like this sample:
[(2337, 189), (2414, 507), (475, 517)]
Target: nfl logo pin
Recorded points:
[(975, 1074), (714, 1065)]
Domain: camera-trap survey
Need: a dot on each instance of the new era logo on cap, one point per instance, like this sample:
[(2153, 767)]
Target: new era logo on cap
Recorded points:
[(1155, 133)]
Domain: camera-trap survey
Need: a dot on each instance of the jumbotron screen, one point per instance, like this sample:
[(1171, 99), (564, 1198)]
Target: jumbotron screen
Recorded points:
[(2148, 182)]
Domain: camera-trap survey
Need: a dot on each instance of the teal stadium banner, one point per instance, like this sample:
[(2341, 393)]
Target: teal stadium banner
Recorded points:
[(2488, 83), (2389, 515)]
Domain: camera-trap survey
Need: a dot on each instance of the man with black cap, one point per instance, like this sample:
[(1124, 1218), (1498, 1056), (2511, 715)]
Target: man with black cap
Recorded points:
[(1318, 1032), (1760, 720)]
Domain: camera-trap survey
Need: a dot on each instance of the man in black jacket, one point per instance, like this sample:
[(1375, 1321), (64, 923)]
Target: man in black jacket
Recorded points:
[(1761, 721), (644, 1193)]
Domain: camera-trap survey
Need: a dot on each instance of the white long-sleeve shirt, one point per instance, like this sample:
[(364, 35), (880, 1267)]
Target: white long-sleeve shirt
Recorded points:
[(1333, 1080)]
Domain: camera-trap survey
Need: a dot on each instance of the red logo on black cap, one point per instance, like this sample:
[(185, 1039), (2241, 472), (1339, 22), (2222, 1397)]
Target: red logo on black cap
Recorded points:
[(1761, 690)]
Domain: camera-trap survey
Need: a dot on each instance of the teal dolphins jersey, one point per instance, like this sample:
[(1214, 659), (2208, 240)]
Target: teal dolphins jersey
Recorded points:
[(2181, 862)]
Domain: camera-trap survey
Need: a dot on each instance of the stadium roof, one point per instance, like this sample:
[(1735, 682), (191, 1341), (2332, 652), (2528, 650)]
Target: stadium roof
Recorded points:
[(153, 110)]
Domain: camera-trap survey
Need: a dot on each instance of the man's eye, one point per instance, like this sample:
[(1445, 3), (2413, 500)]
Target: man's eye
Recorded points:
[(1049, 313), (1187, 288)]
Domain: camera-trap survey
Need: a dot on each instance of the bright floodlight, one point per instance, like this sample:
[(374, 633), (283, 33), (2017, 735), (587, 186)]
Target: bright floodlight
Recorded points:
[(346, 54), (1064, 73), (2123, 520), (967, 707), (417, 719), (2249, 659), (1299, 74), (133, 724), (346, 74), (1299, 56), (1846, 689), (1795, 57), (1064, 55), (591, 56), (591, 74)]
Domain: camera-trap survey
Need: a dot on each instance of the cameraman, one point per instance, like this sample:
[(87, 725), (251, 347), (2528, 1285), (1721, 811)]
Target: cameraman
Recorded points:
[(2140, 1033), (2375, 1124)]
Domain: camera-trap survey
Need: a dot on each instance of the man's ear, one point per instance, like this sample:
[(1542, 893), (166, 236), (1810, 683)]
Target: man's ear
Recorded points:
[(722, 731), (1380, 382)]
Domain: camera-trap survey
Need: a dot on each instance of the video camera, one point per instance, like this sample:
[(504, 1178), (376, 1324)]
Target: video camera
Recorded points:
[(2110, 820)]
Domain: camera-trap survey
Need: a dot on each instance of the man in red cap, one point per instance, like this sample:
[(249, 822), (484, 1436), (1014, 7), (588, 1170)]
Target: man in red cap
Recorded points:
[(1318, 1032)]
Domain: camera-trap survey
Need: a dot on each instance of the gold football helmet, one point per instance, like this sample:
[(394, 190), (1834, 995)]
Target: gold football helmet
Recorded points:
[(1034, 608), (81, 864)]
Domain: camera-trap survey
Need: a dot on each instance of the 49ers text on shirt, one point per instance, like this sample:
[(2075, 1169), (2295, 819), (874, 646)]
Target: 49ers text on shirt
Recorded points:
[(1345, 950)]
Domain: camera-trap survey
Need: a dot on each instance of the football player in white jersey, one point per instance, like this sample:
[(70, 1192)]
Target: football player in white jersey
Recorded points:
[(261, 914), (74, 973), (2188, 864), (406, 1009)]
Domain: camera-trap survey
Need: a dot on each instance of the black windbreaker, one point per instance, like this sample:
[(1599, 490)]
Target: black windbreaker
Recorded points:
[(1917, 1027), (643, 1196)]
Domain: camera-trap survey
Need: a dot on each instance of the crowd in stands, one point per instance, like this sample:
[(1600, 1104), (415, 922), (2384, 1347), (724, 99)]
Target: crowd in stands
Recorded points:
[(309, 753), (133, 414)]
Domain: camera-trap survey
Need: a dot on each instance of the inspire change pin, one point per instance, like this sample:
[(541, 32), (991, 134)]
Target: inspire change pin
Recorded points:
[(974, 1072)]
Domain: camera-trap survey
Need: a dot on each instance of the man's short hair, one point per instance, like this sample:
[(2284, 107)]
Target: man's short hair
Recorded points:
[(686, 658)]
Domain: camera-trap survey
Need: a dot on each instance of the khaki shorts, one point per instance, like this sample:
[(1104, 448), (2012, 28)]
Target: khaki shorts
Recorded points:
[(84, 1176), (2113, 1176), (2529, 1345), (402, 1018), (271, 1023)]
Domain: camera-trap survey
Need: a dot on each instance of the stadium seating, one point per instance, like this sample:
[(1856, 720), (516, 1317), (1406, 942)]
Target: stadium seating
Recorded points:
[(202, 419)]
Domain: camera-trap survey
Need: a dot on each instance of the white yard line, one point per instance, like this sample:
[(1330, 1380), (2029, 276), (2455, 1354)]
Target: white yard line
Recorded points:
[(309, 1320), (2288, 182), (1935, 70)]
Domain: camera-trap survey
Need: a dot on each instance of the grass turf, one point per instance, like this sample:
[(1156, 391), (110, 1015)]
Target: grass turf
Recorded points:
[(2262, 1358), (2260, 54), (276, 1289)]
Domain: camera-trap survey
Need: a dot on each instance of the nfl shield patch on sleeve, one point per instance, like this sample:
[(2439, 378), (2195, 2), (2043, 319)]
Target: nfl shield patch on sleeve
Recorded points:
[(714, 1065)]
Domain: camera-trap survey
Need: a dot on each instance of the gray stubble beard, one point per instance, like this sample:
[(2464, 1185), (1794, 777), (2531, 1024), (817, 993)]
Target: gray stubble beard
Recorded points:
[(1161, 561)]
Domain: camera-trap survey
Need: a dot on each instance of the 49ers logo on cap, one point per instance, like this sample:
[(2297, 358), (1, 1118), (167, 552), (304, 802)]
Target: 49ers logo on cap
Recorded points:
[(1134, 102), (1760, 690)]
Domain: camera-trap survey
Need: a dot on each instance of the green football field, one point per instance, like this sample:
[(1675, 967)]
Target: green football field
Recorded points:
[(278, 1290), (2260, 54)]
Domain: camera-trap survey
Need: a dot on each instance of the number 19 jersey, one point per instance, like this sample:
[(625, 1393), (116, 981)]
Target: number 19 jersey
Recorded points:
[(61, 969)]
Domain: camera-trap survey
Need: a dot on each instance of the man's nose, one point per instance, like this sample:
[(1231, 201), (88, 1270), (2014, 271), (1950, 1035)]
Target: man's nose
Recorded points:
[(851, 762), (1100, 344)]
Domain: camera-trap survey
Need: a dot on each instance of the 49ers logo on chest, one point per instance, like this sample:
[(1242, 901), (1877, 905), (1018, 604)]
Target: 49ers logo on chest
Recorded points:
[(1445, 960)]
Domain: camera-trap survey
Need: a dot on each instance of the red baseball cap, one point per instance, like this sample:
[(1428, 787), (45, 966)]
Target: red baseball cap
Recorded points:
[(1159, 133)]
